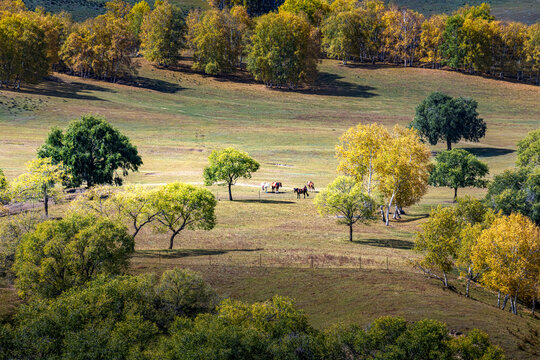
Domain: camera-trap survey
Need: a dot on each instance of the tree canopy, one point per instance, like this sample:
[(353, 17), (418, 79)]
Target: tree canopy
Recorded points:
[(181, 206), (228, 165), (345, 198), (528, 153), (440, 117), (458, 168), (162, 34), (61, 254), (92, 151), (284, 50)]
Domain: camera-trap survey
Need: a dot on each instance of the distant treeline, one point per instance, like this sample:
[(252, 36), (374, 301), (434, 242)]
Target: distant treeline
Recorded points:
[(279, 44)]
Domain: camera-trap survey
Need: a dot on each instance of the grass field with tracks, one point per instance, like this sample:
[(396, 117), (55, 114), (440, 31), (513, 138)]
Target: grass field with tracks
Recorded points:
[(263, 247)]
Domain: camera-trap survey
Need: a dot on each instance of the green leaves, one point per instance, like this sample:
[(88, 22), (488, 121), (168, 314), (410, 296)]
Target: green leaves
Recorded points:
[(440, 117), (458, 168), (91, 151), (61, 254), (528, 153), (228, 165), (181, 206)]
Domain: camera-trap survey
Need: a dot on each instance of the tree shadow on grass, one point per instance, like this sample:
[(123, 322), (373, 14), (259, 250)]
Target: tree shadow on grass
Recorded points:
[(387, 243), (411, 218), (266, 201), (329, 84), (181, 253), (488, 151), (54, 87), (156, 85)]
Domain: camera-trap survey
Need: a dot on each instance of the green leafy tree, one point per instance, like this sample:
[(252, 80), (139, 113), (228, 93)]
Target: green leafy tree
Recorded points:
[(39, 183), (284, 50), (228, 165), (136, 16), (440, 117), (181, 206), (458, 168), (162, 34), (345, 198), (92, 151), (4, 189), (516, 191), (61, 254), (528, 154), (135, 205)]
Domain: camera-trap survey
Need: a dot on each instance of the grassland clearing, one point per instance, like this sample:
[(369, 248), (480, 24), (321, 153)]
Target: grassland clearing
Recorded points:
[(176, 117)]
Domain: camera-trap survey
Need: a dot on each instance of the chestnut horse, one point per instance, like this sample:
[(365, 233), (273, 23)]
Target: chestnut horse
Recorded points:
[(275, 186), (299, 191), (311, 185)]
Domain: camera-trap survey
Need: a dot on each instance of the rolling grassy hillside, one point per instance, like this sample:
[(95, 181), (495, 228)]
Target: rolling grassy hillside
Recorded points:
[(176, 117), (527, 11)]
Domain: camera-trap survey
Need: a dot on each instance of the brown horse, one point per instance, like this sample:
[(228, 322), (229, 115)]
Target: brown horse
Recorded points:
[(311, 185), (299, 191)]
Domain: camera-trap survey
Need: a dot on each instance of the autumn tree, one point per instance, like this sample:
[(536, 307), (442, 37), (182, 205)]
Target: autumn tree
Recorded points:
[(528, 153), (314, 10), (162, 34), (456, 169), (358, 149), (228, 165), (345, 198), (401, 35), (532, 49), (39, 183), (136, 16), (284, 50), (510, 251), (181, 206), (4, 189), (403, 170), (431, 39), (92, 151), (23, 50), (217, 39), (440, 117), (61, 254), (341, 34)]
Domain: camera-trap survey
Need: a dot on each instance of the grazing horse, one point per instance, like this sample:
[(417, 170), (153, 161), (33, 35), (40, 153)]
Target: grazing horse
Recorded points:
[(311, 185), (275, 186), (299, 191)]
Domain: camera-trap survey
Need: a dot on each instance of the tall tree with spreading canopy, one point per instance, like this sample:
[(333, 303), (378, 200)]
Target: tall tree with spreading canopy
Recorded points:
[(228, 165), (403, 170), (284, 50), (162, 34), (61, 254), (358, 149), (92, 151), (510, 251), (346, 199), (181, 206), (39, 183), (440, 117), (458, 168)]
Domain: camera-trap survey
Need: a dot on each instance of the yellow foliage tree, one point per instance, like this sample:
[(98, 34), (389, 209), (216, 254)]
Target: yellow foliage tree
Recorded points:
[(403, 169), (509, 252), (402, 34), (431, 39), (358, 149)]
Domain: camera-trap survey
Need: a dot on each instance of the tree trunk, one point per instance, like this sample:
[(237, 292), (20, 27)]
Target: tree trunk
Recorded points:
[(455, 194), (350, 232), (46, 204), (445, 279), (382, 214), (515, 304), (505, 301), (230, 193), (468, 282), (171, 240), (448, 145), (499, 299)]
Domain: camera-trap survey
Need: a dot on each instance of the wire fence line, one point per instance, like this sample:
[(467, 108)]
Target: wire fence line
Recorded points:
[(320, 261)]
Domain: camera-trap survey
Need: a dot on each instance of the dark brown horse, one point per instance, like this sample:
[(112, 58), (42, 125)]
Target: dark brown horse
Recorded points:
[(275, 186), (299, 191)]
